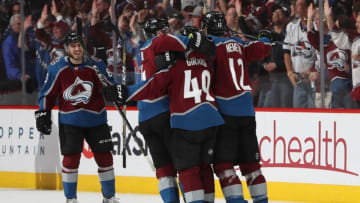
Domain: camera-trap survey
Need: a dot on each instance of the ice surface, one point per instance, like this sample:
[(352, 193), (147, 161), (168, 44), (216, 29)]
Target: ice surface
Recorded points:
[(57, 196)]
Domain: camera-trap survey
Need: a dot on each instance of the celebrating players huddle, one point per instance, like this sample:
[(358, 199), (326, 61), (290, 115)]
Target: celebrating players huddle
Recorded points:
[(195, 112)]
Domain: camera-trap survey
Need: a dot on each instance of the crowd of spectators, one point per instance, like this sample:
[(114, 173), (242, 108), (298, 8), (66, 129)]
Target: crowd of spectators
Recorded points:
[(288, 78)]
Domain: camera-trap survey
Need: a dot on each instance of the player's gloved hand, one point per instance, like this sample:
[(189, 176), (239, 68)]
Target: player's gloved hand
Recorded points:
[(355, 94), (43, 121), (115, 93), (265, 36), (164, 60), (202, 44)]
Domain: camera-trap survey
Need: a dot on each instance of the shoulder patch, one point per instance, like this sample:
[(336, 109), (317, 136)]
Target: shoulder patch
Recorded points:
[(55, 61)]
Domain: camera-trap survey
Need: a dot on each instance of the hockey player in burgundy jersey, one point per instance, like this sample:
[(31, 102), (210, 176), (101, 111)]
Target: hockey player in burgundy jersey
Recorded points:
[(73, 81), (154, 117), (236, 141), (193, 111)]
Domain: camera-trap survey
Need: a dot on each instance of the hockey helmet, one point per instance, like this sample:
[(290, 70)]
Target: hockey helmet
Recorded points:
[(215, 23), (72, 37), (152, 25), (188, 30)]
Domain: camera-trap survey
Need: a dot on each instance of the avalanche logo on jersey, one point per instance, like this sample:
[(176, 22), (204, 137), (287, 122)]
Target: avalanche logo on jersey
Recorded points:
[(337, 59), (303, 48), (79, 91), (56, 54)]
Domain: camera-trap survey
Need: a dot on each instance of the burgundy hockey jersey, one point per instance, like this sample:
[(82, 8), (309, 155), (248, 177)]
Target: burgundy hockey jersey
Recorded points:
[(232, 83), (335, 58), (188, 84), (77, 89), (159, 44)]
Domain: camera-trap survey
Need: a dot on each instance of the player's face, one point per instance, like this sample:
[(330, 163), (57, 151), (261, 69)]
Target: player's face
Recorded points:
[(76, 51)]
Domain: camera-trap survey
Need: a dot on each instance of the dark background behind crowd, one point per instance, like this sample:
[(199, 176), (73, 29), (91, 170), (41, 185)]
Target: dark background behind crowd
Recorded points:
[(47, 22)]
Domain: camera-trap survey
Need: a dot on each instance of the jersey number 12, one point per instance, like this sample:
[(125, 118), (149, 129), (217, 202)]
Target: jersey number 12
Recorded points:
[(239, 85)]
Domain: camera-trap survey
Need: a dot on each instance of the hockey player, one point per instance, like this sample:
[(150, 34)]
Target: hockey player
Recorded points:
[(236, 141), (154, 121), (74, 82), (193, 112)]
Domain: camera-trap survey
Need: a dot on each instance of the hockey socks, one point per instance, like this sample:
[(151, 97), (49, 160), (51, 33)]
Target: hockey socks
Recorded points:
[(167, 184), (193, 188), (207, 179), (106, 174), (70, 165), (230, 183), (255, 181)]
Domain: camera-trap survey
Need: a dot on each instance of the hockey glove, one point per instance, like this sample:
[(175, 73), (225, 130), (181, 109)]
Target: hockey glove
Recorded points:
[(265, 34), (115, 93), (164, 60), (43, 121), (202, 44)]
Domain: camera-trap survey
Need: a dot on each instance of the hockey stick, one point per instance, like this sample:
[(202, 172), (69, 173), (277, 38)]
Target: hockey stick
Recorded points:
[(123, 81), (123, 78), (252, 37), (127, 123), (133, 133)]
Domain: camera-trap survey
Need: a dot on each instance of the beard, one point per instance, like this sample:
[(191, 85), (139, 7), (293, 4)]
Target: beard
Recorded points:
[(277, 22)]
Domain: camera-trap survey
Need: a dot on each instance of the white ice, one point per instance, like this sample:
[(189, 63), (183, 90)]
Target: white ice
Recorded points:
[(57, 196)]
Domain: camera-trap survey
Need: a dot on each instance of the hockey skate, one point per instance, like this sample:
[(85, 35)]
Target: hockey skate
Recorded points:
[(71, 201), (111, 200)]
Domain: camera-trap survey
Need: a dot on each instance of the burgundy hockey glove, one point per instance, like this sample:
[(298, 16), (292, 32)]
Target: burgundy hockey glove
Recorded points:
[(355, 94), (115, 93), (43, 121)]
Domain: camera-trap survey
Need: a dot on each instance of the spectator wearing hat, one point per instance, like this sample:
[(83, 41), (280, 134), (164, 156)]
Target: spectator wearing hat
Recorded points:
[(299, 58), (176, 22), (281, 88), (196, 16), (52, 41), (187, 8)]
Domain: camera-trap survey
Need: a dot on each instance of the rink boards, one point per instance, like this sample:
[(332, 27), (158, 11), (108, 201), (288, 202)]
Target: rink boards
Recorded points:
[(307, 155)]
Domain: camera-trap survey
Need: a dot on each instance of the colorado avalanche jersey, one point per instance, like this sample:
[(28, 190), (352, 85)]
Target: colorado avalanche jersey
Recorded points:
[(335, 58), (303, 55), (189, 86), (77, 89), (151, 107), (349, 40), (232, 83)]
